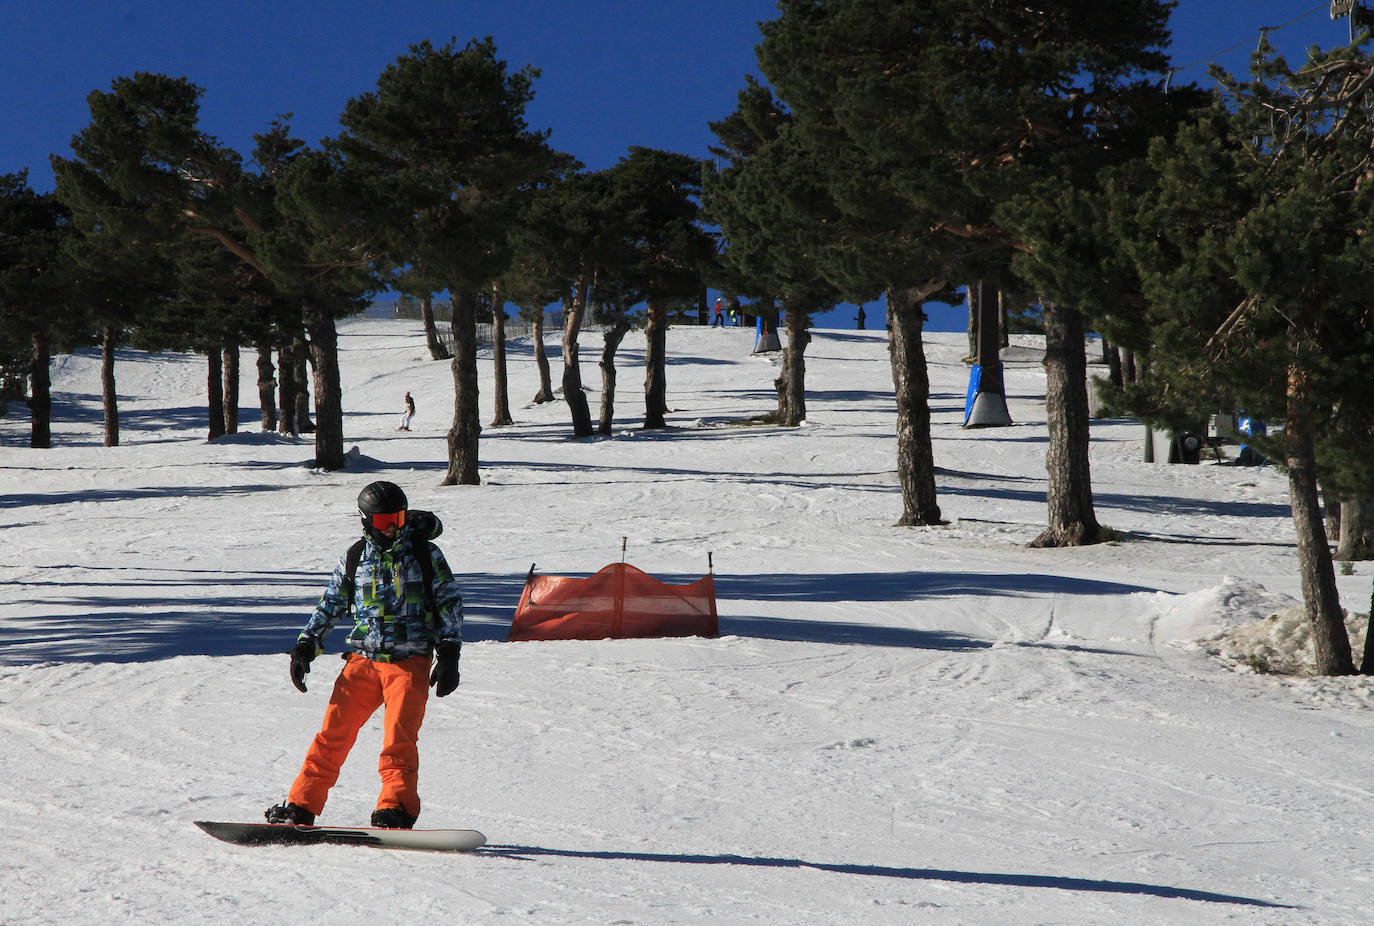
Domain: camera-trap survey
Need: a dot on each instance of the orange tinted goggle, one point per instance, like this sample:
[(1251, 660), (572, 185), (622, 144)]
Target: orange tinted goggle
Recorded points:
[(390, 519)]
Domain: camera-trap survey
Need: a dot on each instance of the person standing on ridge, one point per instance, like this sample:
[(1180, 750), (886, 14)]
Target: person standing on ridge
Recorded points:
[(407, 609)]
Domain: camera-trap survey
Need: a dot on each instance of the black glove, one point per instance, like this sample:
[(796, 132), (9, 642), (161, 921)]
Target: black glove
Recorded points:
[(301, 655), (444, 678)]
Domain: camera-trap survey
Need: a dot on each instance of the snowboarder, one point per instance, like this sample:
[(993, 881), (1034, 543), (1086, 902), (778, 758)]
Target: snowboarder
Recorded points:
[(718, 320), (407, 610), (407, 414)]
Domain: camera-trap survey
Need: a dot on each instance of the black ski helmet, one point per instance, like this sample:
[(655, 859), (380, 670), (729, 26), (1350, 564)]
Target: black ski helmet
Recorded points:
[(379, 498)]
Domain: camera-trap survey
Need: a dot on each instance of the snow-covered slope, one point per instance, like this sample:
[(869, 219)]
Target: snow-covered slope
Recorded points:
[(938, 726)]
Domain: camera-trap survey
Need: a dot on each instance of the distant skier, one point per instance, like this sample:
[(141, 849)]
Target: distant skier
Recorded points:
[(718, 318), (407, 607), (407, 414)]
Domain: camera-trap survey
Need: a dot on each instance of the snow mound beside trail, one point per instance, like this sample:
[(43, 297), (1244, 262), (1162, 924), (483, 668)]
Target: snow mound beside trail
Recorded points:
[(1279, 644), (1250, 629), (1214, 611), (260, 438)]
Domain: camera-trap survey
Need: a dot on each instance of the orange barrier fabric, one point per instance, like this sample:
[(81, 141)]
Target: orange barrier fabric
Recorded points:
[(618, 602)]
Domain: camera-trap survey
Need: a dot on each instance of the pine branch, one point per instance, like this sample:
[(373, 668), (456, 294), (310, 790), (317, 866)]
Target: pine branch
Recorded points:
[(1216, 343), (233, 246), (984, 233)]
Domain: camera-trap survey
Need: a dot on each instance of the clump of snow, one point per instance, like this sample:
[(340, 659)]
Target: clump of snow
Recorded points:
[(1279, 644), (1250, 629), (261, 439), (1215, 611)]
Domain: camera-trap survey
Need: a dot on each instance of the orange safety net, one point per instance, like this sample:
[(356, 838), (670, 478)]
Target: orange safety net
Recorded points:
[(618, 602)]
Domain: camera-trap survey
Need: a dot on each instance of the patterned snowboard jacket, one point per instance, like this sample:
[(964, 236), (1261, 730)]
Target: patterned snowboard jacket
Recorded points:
[(388, 601)]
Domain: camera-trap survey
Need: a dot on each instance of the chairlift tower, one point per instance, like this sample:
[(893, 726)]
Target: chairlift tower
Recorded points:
[(1358, 15), (986, 403)]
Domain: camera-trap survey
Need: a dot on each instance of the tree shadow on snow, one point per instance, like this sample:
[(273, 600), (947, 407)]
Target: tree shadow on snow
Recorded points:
[(145, 615), (40, 500), (913, 585), (195, 612), (886, 588), (811, 631), (1199, 508), (1051, 882)]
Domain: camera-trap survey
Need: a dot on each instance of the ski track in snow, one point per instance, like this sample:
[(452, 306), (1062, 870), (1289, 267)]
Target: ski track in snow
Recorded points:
[(938, 726)]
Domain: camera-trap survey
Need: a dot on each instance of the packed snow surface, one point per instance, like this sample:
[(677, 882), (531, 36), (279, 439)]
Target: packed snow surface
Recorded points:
[(936, 725)]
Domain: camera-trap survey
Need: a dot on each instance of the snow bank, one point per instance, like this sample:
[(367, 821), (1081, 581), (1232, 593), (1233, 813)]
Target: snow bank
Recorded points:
[(1279, 644), (1215, 612), (1250, 629)]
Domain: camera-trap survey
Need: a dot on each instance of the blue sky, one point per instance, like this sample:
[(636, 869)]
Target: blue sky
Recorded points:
[(615, 73)]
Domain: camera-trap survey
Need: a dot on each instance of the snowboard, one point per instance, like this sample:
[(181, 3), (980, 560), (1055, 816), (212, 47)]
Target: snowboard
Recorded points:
[(285, 834)]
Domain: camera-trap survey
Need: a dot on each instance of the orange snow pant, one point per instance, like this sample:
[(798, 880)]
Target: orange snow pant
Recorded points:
[(362, 687)]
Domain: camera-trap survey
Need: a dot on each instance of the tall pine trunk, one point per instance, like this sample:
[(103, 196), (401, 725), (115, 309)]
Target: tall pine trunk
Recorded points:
[(1129, 371), (1356, 530), (287, 388), (541, 361), (464, 433), (1111, 355), (1330, 643), (302, 355), (915, 458), (214, 390), (437, 350), (572, 374), (791, 382), (502, 415), (1367, 663), (267, 383), (975, 320), (231, 389), (109, 343), (1069, 493), (610, 343), (656, 365), (1333, 516), (40, 393), (324, 363)]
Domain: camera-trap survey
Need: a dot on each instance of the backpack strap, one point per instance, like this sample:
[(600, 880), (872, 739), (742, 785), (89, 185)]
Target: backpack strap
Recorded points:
[(419, 547), (351, 560)]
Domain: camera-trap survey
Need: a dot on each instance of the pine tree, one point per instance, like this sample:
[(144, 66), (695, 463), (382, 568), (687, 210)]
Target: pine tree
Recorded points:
[(662, 250), (771, 206), (925, 115), (1254, 255), (34, 293), (501, 417), (532, 284), (567, 233), (442, 151), (124, 191), (1078, 272), (614, 310)]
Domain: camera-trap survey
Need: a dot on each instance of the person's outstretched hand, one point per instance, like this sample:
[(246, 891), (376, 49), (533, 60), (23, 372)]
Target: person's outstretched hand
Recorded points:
[(301, 655)]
